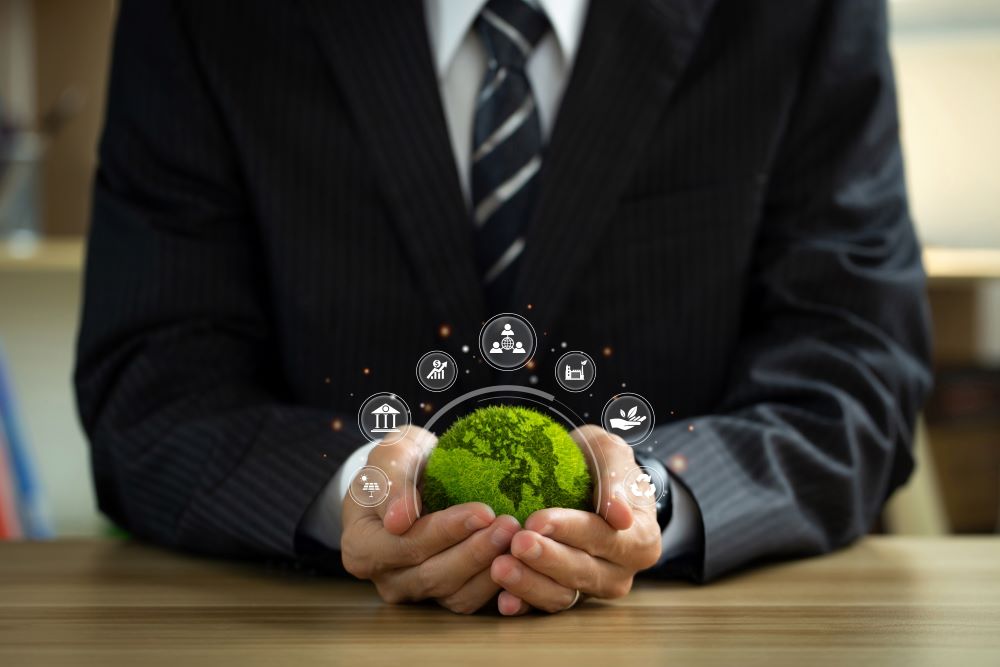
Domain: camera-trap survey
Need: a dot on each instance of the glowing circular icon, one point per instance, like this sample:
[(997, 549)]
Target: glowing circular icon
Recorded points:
[(575, 371), (437, 371), (630, 417), (643, 486), (507, 341), (369, 486), (384, 417)]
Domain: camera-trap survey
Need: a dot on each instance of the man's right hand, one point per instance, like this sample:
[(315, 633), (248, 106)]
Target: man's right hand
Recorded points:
[(445, 555)]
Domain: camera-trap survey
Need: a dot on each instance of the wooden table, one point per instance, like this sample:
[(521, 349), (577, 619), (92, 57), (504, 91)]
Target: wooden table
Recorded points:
[(886, 601)]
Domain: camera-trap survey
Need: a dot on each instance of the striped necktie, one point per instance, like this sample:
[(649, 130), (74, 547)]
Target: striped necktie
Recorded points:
[(506, 143)]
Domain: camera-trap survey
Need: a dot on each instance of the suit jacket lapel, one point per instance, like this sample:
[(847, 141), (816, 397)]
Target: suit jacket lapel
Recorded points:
[(381, 58), (631, 56)]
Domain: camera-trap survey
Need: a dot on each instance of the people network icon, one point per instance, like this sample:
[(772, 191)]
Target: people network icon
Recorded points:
[(507, 342)]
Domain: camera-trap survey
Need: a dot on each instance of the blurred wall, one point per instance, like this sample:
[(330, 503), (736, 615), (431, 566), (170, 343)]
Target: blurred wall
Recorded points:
[(37, 334), (947, 57), (72, 46), (54, 55), (951, 131), (17, 63)]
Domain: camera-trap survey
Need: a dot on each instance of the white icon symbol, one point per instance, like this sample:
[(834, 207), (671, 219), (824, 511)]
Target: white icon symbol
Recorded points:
[(627, 421), (576, 371), (507, 343), (650, 489), (436, 370), (575, 374), (383, 413), (372, 487), (437, 373)]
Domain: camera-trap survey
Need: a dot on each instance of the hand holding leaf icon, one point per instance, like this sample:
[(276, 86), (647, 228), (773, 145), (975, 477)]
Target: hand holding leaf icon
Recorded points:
[(629, 420)]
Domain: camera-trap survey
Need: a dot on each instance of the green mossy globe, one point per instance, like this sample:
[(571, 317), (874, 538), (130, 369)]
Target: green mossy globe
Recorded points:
[(514, 459)]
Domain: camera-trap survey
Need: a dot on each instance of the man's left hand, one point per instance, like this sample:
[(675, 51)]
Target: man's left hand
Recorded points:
[(562, 551)]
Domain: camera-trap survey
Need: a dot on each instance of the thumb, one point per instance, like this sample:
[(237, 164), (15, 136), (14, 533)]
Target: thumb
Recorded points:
[(609, 459), (403, 463)]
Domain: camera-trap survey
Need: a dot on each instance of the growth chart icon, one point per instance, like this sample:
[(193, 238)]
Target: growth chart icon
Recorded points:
[(437, 370)]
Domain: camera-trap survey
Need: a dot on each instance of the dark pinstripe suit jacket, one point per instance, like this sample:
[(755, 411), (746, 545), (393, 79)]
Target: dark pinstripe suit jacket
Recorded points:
[(722, 206)]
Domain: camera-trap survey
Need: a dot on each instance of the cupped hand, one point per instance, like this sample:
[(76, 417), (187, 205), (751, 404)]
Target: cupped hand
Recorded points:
[(444, 555), (562, 551)]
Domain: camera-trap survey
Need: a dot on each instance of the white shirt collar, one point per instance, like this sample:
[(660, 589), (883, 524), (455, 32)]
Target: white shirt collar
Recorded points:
[(449, 20)]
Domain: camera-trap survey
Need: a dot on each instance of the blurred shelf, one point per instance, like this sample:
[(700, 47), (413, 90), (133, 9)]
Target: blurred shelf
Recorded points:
[(966, 264), (56, 255), (66, 254)]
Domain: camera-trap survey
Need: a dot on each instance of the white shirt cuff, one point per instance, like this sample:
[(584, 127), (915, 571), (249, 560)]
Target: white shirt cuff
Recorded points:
[(322, 520)]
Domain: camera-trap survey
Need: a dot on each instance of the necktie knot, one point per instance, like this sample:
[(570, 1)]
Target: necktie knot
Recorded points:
[(510, 30)]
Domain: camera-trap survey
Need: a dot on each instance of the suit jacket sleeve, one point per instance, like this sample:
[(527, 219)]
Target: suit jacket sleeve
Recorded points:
[(194, 441), (814, 430)]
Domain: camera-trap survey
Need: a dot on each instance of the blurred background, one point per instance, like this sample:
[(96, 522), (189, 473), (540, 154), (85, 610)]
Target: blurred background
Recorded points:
[(53, 70)]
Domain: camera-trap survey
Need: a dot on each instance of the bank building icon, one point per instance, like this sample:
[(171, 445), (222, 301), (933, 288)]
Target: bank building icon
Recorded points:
[(384, 414)]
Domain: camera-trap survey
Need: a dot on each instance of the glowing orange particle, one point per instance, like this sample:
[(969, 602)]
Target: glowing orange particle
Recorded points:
[(530, 365), (336, 425), (530, 306), (366, 371), (607, 351), (444, 330), (678, 463)]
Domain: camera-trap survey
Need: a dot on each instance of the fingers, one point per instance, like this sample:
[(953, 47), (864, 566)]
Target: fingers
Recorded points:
[(511, 605), (571, 567), (531, 587), (402, 462), (609, 459), (367, 549), (437, 531), (443, 574), (636, 548), (472, 595), (583, 530)]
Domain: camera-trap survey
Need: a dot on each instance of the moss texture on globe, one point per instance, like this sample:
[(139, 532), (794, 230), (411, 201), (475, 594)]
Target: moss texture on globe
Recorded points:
[(514, 459)]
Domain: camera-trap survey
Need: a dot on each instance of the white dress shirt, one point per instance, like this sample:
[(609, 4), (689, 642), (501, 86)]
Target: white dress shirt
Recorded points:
[(460, 61)]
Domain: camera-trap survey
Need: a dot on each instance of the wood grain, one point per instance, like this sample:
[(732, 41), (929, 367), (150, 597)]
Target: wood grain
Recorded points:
[(885, 601)]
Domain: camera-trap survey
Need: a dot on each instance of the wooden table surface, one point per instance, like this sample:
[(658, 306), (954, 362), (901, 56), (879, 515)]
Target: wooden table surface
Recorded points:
[(885, 601)]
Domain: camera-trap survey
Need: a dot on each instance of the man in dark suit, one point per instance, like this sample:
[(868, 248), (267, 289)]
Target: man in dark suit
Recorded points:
[(296, 200)]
